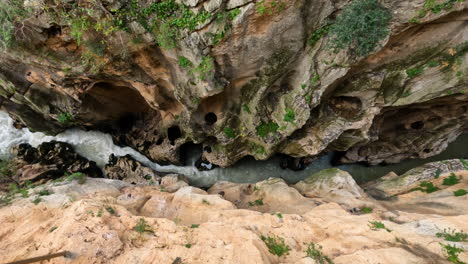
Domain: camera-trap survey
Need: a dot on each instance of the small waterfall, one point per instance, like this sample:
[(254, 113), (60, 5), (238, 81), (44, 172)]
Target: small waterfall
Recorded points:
[(97, 146)]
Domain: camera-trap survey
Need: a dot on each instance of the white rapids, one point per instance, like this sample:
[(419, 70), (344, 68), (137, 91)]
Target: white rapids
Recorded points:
[(98, 146)]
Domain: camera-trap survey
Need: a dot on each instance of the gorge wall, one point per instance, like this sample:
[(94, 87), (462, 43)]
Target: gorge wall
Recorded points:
[(239, 77)]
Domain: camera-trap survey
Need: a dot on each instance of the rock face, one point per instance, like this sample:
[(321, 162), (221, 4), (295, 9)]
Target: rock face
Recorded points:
[(332, 185), (385, 188), (109, 221), (240, 77), (49, 161), (129, 170)]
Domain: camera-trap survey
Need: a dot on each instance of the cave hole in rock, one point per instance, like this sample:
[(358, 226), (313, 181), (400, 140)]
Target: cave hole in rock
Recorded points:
[(189, 152), (427, 151), (211, 118), (115, 106), (346, 106), (173, 133), (159, 141), (207, 149), (417, 125)]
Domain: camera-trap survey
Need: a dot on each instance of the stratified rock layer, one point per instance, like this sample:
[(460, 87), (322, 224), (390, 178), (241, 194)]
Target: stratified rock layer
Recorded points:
[(245, 81)]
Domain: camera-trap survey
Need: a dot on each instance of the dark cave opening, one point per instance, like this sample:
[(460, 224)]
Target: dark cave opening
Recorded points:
[(211, 118), (417, 125), (173, 133)]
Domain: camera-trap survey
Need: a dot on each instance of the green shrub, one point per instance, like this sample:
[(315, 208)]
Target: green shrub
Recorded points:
[(453, 236), (276, 245), (452, 253), (79, 176), (229, 132), (7, 170), (37, 200), (65, 118), (360, 27), (461, 192), (195, 226), (315, 252), (376, 225), (289, 116), (427, 187), (413, 72), (110, 210), (184, 62), (258, 202), (205, 69), (451, 180), (142, 227), (44, 192), (317, 35), (366, 210), (266, 128), (12, 12)]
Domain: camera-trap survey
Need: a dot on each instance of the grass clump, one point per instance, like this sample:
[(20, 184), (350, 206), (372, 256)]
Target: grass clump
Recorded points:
[(317, 35), (451, 180), (413, 72), (461, 192), (37, 200), (266, 128), (258, 202), (229, 132), (276, 245), (314, 251), (289, 116), (195, 226), (376, 225), (453, 236), (79, 176), (65, 118), (452, 253), (366, 210), (184, 62), (427, 187), (44, 192), (110, 210), (142, 227), (360, 27)]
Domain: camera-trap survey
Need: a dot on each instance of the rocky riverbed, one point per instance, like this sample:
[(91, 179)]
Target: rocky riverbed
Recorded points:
[(326, 218)]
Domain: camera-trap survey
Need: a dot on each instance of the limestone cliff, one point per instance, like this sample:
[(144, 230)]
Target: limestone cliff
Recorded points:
[(240, 77)]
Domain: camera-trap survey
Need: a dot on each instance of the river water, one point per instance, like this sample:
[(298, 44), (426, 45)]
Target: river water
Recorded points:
[(97, 146)]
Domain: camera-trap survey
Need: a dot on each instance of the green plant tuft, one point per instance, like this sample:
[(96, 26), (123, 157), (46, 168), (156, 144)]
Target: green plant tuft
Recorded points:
[(266, 128), (376, 225), (461, 192), (360, 27), (142, 227), (452, 253), (451, 180), (453, 236), (314, 252), (276, 245)]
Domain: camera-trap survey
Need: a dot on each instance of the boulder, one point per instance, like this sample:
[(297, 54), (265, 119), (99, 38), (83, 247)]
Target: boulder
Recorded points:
[(130, 170), (332, 185)]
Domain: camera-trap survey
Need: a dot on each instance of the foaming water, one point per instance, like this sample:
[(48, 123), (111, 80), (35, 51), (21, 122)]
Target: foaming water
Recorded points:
[(97, 146)]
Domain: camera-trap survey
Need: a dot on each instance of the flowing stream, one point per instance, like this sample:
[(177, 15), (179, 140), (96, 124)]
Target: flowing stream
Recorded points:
[(97, 146)]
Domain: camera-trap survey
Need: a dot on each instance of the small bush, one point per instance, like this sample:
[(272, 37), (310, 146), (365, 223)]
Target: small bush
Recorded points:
[(184, 62), (376, 225), (453, 236), (276, 245), (427, 187), (258, 202), (315, 252), (79, 176), (360, 27), (229, 132), (188, 245), (44, 192), (289, 116), (195, 226), (266, 128), (452, 253), (366, 210), (37, 200), (110, 210), (65, 118), (461, 192), (142, 227), (451, 180), (413, 72)]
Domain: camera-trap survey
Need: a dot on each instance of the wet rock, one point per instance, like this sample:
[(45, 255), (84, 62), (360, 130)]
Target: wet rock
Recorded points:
[(387, 187), (51, 160), (130, 170)]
